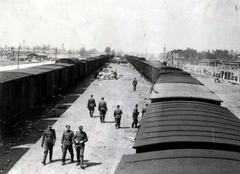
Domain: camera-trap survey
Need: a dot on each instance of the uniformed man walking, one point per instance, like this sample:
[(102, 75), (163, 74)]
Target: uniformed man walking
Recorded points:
[(91, 105), (135, 116), (48, 141), (67, 140), (134, 83), (79, 140), (144, 110), (102, 107), (117, 114), (115, 74)]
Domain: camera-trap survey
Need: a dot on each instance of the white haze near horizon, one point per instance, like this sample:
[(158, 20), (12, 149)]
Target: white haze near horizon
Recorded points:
[(128, 25)]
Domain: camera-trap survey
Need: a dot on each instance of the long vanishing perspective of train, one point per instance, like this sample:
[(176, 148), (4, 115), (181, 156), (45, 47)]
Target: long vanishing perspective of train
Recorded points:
[(24, 89), (185, 129)]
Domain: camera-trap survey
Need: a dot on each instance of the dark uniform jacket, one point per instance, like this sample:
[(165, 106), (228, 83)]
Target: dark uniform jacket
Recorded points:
[(49, 136), (144, 110), (117, 113), (80, 136), (134, 82), (67, 137), (135, 113), (91, 102), (102, 106)]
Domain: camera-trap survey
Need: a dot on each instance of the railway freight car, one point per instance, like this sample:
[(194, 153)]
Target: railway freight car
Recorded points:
[(151, 70), (181, 161), (15, 91), (40, 83), (184, 137), (23, 89), (185, 130)]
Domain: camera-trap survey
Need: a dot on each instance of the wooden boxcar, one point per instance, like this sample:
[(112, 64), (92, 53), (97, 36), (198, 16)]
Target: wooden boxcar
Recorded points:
[(16, 91), (77, 66), (57, 76), (41, 80), (188, 124), (181, 161)]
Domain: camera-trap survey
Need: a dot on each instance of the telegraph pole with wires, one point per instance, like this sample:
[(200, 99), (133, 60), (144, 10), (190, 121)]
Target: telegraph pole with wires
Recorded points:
[(146, 53)]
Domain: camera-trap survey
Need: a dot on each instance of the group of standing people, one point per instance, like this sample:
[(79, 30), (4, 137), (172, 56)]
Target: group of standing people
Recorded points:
[(80, 137), (68, 140), (102, 108)]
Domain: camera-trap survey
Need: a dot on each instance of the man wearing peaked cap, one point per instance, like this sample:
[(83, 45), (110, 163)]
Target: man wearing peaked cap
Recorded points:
[(91, 105), (102, 107), (67, 140), (48, 141), (117, 114), (135, 116), (79, 141)]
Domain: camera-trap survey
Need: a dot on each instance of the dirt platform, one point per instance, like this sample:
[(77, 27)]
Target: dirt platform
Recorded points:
[(228, 92), (106, 144)]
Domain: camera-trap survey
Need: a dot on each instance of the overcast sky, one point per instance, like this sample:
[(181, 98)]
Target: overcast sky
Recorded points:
[(128, 25)]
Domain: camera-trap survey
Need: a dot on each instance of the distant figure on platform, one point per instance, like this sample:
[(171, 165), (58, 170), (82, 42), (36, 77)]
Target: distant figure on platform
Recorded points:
[(115, 74), (67, 140), (102, 107), (144, 110), (91, 105), (79, 141), (134, 83), (54, 113), (217, 80), (135, 116), (48, 141), (117, 115)]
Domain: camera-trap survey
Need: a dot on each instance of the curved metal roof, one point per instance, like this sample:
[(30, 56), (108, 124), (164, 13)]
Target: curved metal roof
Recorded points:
[(181, 161), (7, 76), (68, 60), (61, 64), (170, 91), (172, 124), (175, 77), (36, 70), (51, 66)]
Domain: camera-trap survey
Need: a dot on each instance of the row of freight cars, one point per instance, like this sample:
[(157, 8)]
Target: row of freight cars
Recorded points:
[(23, 89), (184, 131)]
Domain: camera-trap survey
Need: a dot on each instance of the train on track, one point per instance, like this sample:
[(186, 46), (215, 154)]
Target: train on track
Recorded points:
[(23, 89), (185, 129)]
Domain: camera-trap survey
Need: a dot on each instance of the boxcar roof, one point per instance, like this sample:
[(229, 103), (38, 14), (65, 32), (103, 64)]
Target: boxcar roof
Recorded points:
[(33, 70), (188, 122), (182, 90), (68, 60), (176, 77), (52, 67), (89, 59), (181, 161), (169, 71), (10, 76), (61, 64)]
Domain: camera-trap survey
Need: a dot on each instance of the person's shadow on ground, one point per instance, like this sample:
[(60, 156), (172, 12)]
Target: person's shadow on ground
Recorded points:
[(53, 161), (90, 164)]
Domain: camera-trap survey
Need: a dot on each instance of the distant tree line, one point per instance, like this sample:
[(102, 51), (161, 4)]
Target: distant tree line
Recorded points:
[(214, 54)]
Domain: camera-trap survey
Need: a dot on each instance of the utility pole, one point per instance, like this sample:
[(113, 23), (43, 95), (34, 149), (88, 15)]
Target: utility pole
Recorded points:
[(23, 49), (110, 52), (56, 54), (23, 45), (73, 53), (12, 52), (146, 52), (18, 56)]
